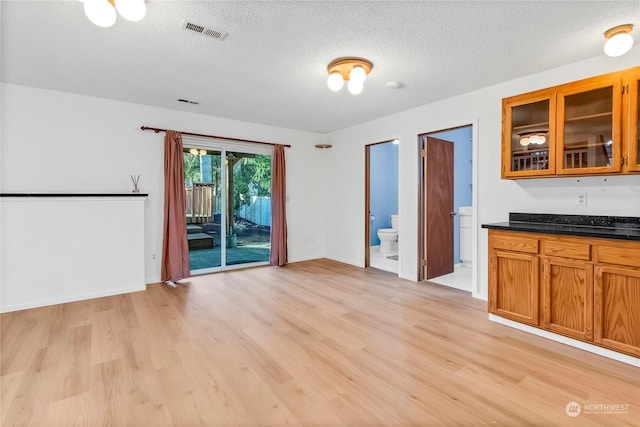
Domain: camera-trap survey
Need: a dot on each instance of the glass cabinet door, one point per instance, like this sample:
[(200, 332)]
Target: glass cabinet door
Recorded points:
[(633, 159), (527, 135), (589, 128)]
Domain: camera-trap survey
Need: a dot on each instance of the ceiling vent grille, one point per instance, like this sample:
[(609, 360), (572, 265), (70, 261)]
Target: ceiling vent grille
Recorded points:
[(218, 35)]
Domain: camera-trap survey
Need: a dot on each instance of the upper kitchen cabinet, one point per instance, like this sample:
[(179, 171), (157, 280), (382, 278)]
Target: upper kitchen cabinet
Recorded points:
[(632, 159), (528, 127), (589, 127)]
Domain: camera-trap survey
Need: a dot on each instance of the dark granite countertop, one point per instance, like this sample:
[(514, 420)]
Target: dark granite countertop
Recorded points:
[(606, 227)]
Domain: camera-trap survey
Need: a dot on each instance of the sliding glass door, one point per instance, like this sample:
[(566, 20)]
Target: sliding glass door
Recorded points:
[(228, 206), (202, 180), (248, 233)]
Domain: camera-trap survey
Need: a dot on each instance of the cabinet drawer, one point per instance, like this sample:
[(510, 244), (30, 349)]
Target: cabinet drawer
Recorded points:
[(562, 249), (515, 243), (620, 255)]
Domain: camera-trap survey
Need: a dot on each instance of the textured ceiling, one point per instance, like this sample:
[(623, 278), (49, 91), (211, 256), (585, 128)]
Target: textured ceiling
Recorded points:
[(271, 67)]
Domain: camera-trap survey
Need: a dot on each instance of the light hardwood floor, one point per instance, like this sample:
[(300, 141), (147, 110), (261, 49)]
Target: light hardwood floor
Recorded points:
[(316, 343)]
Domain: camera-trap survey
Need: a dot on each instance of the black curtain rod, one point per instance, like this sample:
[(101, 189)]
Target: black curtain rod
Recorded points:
[(156, 130)]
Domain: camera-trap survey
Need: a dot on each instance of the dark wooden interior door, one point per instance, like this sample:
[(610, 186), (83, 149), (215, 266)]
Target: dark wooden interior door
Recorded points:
[(439, 207)]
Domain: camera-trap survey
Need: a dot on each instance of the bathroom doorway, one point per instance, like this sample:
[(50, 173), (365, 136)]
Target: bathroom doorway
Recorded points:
[(382, 230), (446, 195)]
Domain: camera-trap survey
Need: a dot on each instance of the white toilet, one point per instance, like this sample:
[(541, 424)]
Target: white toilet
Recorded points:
[(389, 237)]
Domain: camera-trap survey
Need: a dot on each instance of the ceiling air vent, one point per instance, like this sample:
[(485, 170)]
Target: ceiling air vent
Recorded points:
[(218, 35)]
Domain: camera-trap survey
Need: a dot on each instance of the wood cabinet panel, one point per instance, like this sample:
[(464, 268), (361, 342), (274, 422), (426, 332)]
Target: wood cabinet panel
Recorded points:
[(515, 283), (617, 308), (628, 254), (567, 249), (567, 297), (514, 242)]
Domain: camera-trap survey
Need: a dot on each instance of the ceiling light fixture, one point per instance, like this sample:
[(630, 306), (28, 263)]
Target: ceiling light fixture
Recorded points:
[(619, 40), (103, 12), (354, 70)]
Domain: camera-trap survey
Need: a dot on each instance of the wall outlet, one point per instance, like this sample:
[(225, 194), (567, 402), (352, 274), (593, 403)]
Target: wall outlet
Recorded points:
[(582, 199)]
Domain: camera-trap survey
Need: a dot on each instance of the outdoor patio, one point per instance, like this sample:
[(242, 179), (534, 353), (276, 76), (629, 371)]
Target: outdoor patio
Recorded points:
[(252, 244), (209, 258)]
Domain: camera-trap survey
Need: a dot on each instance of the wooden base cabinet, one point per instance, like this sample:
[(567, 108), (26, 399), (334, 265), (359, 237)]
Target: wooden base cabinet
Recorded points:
[(513, 272), (617, 308), (515, 294), (567, 297), (583, 288)]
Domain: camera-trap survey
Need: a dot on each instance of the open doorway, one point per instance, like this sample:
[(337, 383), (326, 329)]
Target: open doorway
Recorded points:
[(446, 188), (382, 230)]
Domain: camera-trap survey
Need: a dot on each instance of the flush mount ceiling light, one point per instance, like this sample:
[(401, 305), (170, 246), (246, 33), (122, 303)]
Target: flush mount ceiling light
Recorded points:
[(619, 40), (103, 12), (354, 70)]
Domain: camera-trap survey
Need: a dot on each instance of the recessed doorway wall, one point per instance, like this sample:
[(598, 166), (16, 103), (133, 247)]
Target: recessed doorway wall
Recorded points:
[(381, 206), (445, 225)]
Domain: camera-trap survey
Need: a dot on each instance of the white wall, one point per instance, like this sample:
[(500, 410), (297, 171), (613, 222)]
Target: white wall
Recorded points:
[(496, 197), (66, 143), (61, 249), (60, 142)]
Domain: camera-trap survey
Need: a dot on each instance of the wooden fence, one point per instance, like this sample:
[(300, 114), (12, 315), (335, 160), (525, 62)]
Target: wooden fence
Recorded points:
[(201, 202)]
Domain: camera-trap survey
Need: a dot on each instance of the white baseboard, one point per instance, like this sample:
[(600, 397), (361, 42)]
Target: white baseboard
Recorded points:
[(610, 354), (346, 261), (152, 279), (306, 258), (73, 298), (450, 285), (409, 277)]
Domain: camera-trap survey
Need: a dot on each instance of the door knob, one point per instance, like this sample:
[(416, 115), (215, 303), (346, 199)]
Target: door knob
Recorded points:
[(453, 214)]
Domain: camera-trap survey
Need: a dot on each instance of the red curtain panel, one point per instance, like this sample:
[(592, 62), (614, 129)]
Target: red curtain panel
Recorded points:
[(278, 207), (175, 247)]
